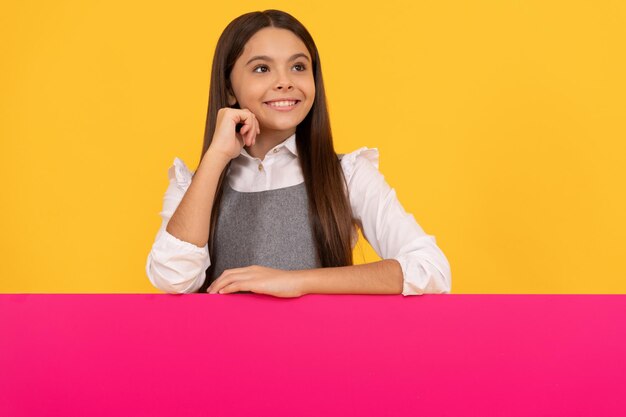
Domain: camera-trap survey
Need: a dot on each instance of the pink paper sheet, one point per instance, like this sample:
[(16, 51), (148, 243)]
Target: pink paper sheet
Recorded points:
[(318, 355)]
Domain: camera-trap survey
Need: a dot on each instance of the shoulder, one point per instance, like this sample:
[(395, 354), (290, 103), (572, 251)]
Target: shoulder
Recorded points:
[(362, 159), (179, 174)]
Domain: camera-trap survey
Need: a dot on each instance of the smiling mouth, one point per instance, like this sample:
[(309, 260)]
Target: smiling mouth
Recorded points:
[(284, 105)]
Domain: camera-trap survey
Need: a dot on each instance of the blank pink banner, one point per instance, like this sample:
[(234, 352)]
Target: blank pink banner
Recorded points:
[(318, 355)]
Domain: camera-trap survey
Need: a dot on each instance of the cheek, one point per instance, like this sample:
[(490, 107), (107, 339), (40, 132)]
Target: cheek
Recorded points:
[(310, 90), (311, 96), (251, 90)]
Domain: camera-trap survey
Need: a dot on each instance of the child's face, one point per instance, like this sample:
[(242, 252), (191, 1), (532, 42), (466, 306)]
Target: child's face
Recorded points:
[(259, 81)]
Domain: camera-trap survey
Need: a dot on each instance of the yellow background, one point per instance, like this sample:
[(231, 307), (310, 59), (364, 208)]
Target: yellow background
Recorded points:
[(501, 125)]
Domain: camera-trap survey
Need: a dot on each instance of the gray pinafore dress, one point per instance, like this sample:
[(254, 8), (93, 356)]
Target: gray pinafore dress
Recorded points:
[(268, 228)]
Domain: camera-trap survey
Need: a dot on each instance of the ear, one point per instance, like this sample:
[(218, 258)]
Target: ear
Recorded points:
[(232, 100)]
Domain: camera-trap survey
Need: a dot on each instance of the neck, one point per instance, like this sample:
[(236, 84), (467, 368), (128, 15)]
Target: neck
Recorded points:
[(266, 141)]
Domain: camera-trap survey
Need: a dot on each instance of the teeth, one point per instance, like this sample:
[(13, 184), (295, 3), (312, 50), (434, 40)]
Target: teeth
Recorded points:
[(282, 103)]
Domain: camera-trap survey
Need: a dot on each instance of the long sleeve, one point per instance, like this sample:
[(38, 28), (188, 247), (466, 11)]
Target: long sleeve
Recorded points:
[(173, 265), (392, 232)]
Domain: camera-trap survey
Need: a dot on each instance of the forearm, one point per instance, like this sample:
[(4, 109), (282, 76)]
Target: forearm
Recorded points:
[(382, 277), (191, 219)]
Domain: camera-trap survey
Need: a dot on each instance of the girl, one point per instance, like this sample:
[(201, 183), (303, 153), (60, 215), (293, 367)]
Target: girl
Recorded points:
[(272, 208)]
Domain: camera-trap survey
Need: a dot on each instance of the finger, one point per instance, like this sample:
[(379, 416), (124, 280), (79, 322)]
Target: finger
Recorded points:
[(257, 130), (245, 135), (219, 284), (214, 284), (250, 134), (230, 276), (245, 132), (232, 287), (253, 129), (244, 129), (224, 279), (245, 116), (251, 125)]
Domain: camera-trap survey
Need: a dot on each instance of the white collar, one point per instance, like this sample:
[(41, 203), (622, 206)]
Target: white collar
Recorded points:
[(289, 143)]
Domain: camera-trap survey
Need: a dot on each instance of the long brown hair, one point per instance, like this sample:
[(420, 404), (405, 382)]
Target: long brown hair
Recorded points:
[(329, 207)]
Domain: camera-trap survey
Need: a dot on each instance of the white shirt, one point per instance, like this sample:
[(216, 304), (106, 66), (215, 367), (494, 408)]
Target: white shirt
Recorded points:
[(177, 266)]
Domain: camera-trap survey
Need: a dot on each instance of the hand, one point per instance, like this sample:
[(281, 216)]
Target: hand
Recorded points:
[(258, 279), (226, 140)]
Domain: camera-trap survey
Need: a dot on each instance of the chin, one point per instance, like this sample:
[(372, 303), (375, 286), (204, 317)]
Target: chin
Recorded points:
[(280, 127)]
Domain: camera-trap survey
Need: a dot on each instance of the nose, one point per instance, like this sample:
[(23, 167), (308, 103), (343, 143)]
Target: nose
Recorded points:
[(284, 82)]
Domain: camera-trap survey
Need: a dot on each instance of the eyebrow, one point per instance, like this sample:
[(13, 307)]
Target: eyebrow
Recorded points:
[(267, 58)]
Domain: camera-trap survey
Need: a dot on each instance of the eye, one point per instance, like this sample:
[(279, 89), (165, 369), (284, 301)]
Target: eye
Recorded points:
[(259, 66), (265, 66)]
